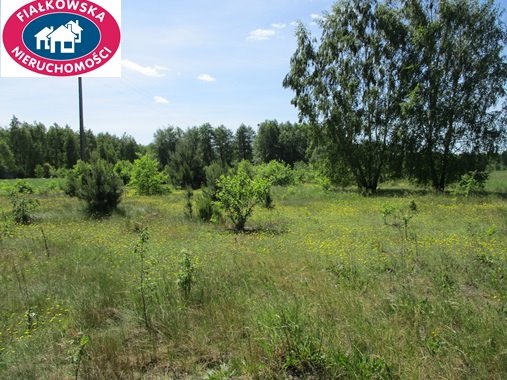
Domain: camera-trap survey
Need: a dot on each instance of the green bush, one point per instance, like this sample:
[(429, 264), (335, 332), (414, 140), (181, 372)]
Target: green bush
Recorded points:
[(124, 170), (44, 171), (98, 185), (276, 173), (146, 178), (213, 173), (246, 167), (205, 208), (472, 183), (22, 204), (303, 172), (239, 194), (73, 178)]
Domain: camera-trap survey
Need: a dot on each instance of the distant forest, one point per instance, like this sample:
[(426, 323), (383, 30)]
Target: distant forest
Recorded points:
[(34, 150)]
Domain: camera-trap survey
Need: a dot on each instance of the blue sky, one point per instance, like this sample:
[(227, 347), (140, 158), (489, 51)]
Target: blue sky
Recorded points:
[(184, 63)]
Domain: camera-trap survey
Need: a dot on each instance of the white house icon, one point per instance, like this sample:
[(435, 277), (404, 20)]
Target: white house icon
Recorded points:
[(76, 29), (64, 37), (42, 36)]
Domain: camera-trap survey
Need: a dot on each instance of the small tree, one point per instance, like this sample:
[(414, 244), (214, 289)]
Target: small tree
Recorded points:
[(99, 186), (239, 194), (22, 204), (146, 178)]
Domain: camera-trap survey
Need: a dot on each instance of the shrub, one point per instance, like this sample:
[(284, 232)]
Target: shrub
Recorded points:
[(22, 204), (246, 167), (44, 171), (471, 183), (99, 186), (124, 170), (276, 173), (146, 178), (303, 172), (73, 178), (205, 208), (213, 173), (238, 196)]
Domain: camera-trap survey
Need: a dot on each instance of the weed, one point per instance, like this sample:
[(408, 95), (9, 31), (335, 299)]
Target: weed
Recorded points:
[(293, 343), (6, 227), (400, 217), (79, 352), (140, 250), (189, 212), (45, 242), (186, 274)]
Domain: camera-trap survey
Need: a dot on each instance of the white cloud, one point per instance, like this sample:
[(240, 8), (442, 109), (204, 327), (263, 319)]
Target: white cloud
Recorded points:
[(206, 78), (155, 71), (294, 23), (316, 16), (160, 100), (279, 25), (261, 34)]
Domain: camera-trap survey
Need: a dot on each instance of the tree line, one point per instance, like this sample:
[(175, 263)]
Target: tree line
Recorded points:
[(32, 150)]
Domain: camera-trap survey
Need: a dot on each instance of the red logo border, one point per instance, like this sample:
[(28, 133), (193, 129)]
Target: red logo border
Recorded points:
[(110, 37)]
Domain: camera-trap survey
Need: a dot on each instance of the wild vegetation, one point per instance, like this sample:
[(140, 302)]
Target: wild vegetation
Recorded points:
[(326, 284), (213, 254)]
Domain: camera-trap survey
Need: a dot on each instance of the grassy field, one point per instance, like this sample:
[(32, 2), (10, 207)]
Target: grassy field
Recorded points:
[(321, 287)]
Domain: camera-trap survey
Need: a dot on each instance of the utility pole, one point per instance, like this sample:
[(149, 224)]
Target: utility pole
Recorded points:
[(81, 120)]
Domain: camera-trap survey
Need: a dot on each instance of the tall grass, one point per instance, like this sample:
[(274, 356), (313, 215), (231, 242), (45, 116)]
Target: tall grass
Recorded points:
[(323, 289)]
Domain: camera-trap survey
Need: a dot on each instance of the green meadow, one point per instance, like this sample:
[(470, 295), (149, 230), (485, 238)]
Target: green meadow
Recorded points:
[(326, 285)]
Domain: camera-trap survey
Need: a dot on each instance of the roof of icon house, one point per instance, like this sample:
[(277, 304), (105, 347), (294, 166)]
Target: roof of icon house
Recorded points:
[(62, 34), (74, 26), (44, 32)]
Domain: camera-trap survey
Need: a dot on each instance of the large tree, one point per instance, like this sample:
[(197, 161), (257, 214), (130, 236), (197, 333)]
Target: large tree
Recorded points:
[(347, 85), (266, 144), (244, 139), (224, 145), (456, 73), (165, 141)]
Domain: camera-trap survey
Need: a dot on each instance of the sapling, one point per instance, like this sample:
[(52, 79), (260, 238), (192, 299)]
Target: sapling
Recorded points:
[(140, 249), (81, 343), (186, 274)]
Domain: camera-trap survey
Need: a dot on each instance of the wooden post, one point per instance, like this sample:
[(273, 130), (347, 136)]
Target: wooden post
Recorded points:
[(81, 120)]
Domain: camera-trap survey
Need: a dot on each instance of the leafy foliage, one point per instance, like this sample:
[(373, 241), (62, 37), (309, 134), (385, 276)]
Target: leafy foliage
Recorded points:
[(146, 178), (347, 87), (124, 170), (276, 173), (239, 194), (471, 183), (22, 204), (455, 80)]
